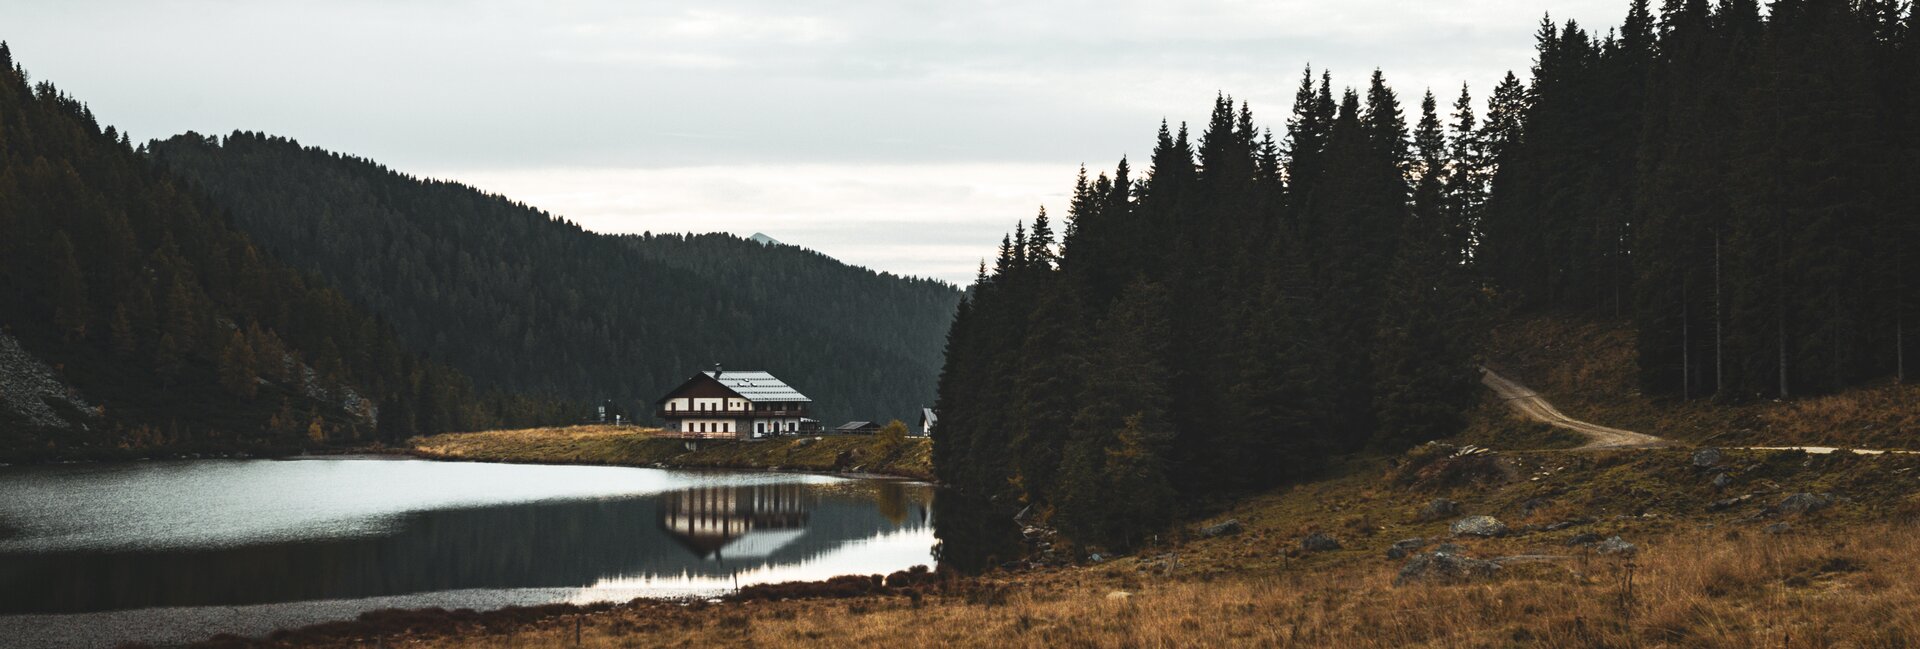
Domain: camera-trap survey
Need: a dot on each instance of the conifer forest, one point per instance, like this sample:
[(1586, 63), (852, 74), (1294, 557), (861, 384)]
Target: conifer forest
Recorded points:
[(1252, 300)]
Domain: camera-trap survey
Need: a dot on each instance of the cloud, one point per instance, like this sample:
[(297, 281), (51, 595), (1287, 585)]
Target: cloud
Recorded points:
[(933, 220), (609, 88)]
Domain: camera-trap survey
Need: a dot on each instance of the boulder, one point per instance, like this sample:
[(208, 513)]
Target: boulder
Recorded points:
[(1584, 538), (1230, 527), (1728, 503), (1803, 503), (1319, 542), (1527, 508), (1478, 526), (1615, 545), (1403, 547), (1707, 457), (1438, 509), (1449, 548), (1444, 568), (1721, 480)]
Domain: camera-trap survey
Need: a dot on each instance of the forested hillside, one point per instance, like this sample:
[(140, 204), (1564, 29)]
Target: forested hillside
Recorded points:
[(526, 301), (166, 325), (1740, 186), (1251, 305)]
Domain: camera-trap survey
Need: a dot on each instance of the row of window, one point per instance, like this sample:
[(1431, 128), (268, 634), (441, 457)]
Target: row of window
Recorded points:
[(710, 407)]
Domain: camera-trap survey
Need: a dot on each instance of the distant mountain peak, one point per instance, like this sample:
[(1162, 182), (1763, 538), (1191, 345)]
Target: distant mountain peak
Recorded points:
[(762, 239)]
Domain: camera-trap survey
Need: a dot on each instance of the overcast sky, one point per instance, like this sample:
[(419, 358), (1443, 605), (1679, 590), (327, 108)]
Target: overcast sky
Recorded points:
[(901, 135)]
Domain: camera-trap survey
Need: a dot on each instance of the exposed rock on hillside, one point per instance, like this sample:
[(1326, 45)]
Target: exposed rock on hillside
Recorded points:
[(30, 389)]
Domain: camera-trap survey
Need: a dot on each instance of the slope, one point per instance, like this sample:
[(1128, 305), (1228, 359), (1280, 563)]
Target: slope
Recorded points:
[(526, 301), (136, 316)]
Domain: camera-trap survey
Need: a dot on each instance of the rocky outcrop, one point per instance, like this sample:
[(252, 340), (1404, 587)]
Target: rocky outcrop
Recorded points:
[(30, 389), (1231, 527), (1707, 457), (1319, 542), (1403, 547), (1438, 509), (1804, 503), (1478, 526), (1444, 568)]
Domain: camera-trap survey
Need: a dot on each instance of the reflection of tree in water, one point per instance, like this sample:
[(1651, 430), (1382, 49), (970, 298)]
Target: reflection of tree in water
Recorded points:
[(891, 499), (974, 533), (708, 519)]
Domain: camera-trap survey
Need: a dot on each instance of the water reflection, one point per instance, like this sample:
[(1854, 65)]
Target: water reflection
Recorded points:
[(744, 521), (699, 536), (975, 534)]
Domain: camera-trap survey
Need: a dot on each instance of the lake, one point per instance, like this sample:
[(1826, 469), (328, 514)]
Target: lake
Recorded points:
[(94, 555)]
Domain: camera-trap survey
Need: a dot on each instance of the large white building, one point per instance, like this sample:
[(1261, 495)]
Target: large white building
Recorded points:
[(735, 405)]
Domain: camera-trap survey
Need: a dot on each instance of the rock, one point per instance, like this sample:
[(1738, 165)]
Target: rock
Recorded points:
[(1443, 567), (1777, 528), (1803, 503), (1728, 503), (1721, 480), (1615, 545), (1096, 558), (1706, 457), (1527, 508), (1438, 509), (1584, 538), (1478, 526), (1231, 527), (1403, 547), (1119, 596), (1449, 548), (1319, 542)]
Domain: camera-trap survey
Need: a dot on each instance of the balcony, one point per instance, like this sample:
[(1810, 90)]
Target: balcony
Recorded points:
[(731, 414)]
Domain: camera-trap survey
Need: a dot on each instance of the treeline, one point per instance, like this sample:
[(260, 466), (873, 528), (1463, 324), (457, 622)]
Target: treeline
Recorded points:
[(144, 297), (530, 303), (1241, 311), (1738, 185)]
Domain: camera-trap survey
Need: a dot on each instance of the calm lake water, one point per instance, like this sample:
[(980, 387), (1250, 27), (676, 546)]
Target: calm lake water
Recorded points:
[(93, 555)]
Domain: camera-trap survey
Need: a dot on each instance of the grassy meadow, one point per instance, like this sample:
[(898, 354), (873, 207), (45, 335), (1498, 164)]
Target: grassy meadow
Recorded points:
[(631, 446)]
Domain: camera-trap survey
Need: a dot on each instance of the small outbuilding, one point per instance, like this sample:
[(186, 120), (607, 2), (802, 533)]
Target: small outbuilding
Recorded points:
[(858, 428)]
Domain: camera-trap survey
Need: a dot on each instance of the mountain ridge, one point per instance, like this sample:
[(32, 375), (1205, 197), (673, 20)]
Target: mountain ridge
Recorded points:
[(528, 301)]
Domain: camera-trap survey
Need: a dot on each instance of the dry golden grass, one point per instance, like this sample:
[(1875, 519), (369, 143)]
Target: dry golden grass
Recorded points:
[(628, 446)]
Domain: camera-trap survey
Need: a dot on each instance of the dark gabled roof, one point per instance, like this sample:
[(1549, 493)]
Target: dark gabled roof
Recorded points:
[(750, 385), (854, 425)]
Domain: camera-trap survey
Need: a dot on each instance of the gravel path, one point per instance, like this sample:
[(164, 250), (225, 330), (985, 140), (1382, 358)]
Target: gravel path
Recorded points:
[(1530, 403)]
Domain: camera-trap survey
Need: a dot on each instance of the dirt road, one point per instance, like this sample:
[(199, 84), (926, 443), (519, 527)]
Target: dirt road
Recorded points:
[(1531, 404)]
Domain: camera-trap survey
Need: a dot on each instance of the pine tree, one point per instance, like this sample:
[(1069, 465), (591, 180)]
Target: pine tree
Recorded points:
[(1429, 169), (1466, 181), (237, 373), (70, 311)]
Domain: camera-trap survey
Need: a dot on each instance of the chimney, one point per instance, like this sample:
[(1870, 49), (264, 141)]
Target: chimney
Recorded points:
[(716, 370)]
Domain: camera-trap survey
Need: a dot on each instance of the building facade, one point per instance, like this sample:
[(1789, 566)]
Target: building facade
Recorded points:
[(727, 404)]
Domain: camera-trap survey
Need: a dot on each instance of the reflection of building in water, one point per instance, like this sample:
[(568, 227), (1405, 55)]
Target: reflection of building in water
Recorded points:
[(736, 522)]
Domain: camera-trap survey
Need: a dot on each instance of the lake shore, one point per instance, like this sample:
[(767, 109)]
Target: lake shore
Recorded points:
[(1598, 548), (850, 455)]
